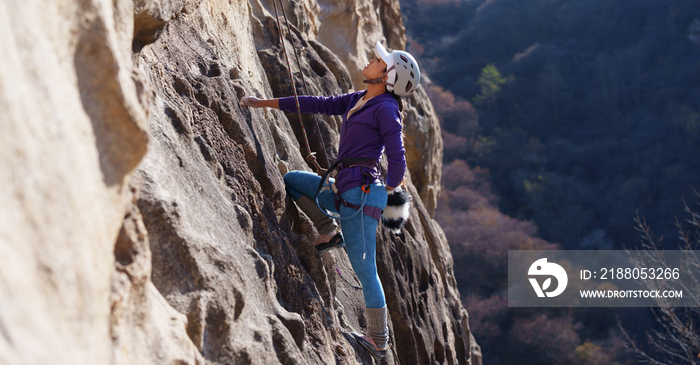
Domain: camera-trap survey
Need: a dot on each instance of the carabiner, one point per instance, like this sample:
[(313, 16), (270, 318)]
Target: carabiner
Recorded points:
[(365, 188)]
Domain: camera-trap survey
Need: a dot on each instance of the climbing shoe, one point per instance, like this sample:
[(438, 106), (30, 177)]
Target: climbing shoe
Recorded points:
[(364, 341), (336, 242)]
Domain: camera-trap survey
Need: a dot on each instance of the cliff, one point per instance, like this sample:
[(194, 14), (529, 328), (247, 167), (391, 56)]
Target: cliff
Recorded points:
[(144, 216)]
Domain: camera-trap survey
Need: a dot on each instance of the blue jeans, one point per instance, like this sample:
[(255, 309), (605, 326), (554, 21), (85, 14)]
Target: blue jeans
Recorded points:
[(305, 183)]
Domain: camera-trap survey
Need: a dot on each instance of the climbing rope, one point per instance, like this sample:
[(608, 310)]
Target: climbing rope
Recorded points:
[(337, 269), (312, 155), (393, 345)]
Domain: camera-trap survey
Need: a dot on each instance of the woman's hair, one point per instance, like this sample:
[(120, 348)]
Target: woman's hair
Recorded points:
[(398, 99)]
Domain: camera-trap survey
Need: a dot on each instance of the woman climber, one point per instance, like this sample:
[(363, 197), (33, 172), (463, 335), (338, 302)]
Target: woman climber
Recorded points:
[(371, 125)]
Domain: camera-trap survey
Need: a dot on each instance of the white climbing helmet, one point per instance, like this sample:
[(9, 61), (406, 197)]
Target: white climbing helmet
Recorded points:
[(403, 71)]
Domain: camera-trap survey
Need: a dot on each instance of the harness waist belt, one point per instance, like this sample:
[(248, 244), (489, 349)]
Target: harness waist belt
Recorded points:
[(346, 163), (369, 163), (373, 212)]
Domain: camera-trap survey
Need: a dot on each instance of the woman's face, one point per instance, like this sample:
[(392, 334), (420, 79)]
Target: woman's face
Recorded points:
[(375, 69)]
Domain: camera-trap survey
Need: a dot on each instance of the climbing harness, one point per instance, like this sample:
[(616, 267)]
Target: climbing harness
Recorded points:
[(312, 155), (371, 211), (339, 165)]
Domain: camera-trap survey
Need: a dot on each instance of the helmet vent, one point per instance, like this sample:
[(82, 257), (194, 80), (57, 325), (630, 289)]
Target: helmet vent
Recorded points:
[(409, 85), (412, 75), (403, 58)]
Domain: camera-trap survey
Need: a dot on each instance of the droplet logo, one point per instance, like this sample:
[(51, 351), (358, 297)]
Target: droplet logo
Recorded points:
[(543, 268)]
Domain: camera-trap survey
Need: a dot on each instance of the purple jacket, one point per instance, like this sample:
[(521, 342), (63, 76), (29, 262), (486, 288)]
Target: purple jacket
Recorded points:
[(372, 128)]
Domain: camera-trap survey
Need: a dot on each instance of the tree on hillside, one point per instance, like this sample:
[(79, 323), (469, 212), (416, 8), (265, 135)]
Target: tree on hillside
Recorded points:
[(490, 82)]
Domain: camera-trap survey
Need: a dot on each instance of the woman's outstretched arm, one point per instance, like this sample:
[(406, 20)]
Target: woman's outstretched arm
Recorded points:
[(254, 102), (332, 105)]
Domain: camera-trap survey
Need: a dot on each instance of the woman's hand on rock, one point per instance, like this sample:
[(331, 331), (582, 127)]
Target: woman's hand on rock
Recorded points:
[(250, 101)]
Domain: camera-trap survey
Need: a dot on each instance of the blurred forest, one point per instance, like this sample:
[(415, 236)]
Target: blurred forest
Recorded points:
[(561, 120), (588, 110), (480, 237)]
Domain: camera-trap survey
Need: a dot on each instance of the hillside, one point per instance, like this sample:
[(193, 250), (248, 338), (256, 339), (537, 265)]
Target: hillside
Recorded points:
[(562, 121), (591, 113)]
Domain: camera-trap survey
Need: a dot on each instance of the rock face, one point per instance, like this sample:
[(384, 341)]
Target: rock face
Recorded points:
[(73, 114), (423, 148), (183, 247)]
